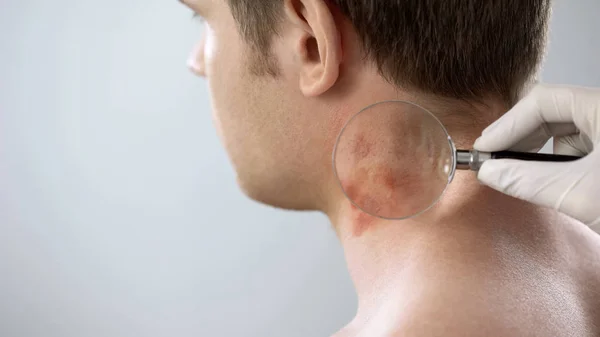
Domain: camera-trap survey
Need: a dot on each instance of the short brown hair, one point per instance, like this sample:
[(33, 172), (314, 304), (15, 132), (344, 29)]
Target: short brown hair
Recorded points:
[(463, 49)]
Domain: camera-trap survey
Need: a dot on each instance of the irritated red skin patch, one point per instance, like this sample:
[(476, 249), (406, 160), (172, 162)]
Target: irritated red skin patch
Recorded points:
[(362, 147), (376, 189), (360, 220), (387, 178), (374, 186)]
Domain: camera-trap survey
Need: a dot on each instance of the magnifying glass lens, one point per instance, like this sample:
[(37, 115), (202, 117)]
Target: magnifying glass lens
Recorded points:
[(394, 160)]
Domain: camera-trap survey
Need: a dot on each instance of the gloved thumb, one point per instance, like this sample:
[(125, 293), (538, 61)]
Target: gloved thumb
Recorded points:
[(556, 185)]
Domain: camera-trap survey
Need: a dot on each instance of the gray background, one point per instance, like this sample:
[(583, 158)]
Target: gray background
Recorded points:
[(119, 213)]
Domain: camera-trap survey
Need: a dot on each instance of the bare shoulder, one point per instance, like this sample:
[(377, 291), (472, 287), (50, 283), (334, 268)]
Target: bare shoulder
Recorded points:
[(508, 292), (496, 311), (585, 256)]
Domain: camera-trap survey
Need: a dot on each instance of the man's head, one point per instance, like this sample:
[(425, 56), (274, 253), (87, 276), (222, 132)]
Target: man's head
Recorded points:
[(286, 74), (466, 49)]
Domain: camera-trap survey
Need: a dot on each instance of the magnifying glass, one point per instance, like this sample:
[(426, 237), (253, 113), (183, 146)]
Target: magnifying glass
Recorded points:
[(394, 159)]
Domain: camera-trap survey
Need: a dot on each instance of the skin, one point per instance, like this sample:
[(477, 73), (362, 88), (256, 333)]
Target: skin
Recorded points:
[(477, 264)]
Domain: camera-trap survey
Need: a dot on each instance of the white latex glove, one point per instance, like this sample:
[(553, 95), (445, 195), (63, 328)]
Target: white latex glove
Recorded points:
[(572, 116)]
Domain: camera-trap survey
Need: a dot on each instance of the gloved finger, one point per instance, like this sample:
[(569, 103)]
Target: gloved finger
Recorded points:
[(566, 147), (511, 128), (538, 138), (533, 142), (579, 105), (573, 145), (545, 104), (524, 180), (595, 225), (561, 129), (560, 186)]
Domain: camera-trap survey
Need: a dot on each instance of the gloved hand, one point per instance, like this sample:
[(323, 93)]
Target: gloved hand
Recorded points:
[(572, 116)]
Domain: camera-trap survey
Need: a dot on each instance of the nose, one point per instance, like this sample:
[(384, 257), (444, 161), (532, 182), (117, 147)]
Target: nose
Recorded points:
[(196, 60)]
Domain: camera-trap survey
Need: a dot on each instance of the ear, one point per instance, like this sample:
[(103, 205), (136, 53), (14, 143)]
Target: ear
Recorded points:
[(318, 45)]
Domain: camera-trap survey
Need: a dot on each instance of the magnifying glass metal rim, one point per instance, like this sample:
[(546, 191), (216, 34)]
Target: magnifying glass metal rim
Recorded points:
[(450, 144)]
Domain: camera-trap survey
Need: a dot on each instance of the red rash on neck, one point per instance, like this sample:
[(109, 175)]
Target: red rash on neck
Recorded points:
[(387, 178), (360, 220), (377, 190), (362, 147), (379, 187)]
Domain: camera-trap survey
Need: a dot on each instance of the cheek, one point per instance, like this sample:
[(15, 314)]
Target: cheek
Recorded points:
[(221, 68), (209, 47), (229, 86)]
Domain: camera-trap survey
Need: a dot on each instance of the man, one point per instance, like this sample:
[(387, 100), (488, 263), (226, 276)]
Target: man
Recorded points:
[(285, 76)]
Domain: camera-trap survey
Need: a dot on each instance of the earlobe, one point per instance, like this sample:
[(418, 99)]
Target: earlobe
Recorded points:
[(319, 47)]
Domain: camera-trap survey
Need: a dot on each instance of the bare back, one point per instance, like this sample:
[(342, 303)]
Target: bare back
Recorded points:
[(501, 286)]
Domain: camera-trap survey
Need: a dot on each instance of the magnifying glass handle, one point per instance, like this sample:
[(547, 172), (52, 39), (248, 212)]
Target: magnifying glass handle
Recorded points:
[(473, 159), (533, 156)]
